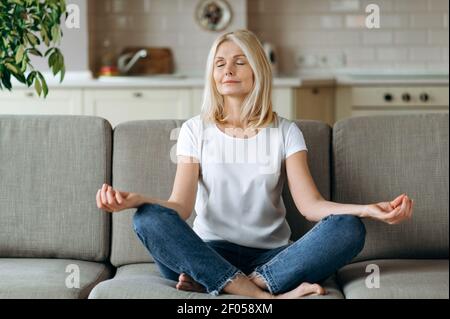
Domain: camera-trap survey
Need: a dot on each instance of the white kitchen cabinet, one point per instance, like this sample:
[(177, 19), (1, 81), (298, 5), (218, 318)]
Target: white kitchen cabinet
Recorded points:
[(25, 101), (315, 103), (123, 105), (283, 100), (197, 99)]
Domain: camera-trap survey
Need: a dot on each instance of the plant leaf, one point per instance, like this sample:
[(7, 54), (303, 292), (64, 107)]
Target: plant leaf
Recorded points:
[(33, 39), (34, 52), (55, 33), (6, 80), (25, 25), (63, 73), (37, 86), (20, 77), (19, 54), (30, 78), (44, 84), (49, 51), (12, 67)]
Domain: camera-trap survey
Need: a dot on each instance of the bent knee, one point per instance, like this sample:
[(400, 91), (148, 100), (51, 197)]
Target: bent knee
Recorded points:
[(142, 217), (153, 216), (352, 229)]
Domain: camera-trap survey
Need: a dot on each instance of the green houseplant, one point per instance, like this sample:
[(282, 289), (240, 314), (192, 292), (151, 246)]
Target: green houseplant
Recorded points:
[(27, 26)]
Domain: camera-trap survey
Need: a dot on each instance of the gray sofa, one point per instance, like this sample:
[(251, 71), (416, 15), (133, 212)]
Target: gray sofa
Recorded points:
[(52, 232)]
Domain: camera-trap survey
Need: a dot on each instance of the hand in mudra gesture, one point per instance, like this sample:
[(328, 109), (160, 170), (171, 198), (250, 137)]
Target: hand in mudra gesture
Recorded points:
[(113, 200), (392, 212)]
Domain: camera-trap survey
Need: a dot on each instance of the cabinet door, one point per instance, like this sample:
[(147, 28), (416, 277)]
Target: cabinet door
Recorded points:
[(26, 101), (124, 105), (197, 100), (283, 100), (316, 103)]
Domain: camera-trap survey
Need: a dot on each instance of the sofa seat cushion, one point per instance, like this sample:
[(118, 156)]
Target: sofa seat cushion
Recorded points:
[(30, 278), (143, 281), (399, 279)]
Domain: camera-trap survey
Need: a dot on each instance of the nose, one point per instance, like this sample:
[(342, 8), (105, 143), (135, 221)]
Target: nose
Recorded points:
[(228, 71)]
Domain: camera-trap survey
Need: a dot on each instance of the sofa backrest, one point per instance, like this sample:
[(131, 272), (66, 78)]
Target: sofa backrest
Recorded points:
[(318, 140), (377, 158), (51, 167), (142, 163)]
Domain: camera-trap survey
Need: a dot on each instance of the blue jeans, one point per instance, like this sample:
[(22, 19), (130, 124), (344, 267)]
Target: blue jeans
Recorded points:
[(176, 248)]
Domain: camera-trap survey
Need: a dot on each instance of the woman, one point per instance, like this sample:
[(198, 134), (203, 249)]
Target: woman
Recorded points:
[(240, 240)]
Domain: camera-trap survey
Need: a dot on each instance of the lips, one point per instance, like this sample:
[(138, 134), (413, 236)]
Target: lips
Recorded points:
[(230, 82)]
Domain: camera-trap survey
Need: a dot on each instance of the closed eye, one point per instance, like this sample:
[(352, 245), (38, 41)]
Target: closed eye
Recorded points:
[(221, 65)]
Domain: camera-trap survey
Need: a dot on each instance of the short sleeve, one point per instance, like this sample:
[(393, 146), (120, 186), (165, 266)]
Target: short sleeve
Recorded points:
[(187, 141), (294, 140)]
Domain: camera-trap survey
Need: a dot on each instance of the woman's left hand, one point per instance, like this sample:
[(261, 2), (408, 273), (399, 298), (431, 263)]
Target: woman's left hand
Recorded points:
[(392, 212)]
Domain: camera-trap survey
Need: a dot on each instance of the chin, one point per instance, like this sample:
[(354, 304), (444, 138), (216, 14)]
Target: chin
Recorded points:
[(233, 92)]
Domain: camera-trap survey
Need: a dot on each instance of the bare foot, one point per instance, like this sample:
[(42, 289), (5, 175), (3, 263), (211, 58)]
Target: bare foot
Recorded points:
[(185, 282), (305, 289), (258, 281)]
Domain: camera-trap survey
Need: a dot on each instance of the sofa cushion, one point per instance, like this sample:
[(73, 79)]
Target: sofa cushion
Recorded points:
[(376, 158), (408, 279), (33, 278), (143, 281), (51, 168), (142, 163), (318, 139)]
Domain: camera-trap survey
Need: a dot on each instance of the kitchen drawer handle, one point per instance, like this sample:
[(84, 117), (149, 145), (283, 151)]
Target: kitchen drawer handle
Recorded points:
[(137, 94), (29, 94)]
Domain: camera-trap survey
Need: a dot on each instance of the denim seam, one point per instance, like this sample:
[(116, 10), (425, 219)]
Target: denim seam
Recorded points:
[(266, 281), (270, 282), (229, 277)]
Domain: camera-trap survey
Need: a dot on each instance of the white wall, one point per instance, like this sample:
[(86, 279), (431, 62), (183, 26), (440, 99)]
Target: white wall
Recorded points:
[(160, 23), (74, 44), (413, 34)]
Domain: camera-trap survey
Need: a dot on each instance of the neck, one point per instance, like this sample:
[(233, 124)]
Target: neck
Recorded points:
[(233, 105)]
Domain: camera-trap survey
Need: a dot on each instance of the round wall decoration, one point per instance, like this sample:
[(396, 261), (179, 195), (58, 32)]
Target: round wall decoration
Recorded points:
[(213, 15)]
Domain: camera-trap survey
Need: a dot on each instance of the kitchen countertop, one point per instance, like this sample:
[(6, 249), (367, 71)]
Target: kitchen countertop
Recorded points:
[(163, 81), (83, 80), (376, 78), (389, 80)]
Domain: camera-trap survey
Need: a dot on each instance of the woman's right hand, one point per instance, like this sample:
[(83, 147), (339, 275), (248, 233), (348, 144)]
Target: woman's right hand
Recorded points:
[(113, 200), (392, 212)]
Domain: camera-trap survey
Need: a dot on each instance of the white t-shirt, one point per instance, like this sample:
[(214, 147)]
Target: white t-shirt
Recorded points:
[(240, 183)]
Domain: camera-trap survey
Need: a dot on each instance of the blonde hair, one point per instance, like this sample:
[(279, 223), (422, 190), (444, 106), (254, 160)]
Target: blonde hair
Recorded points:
[(256, 109)]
